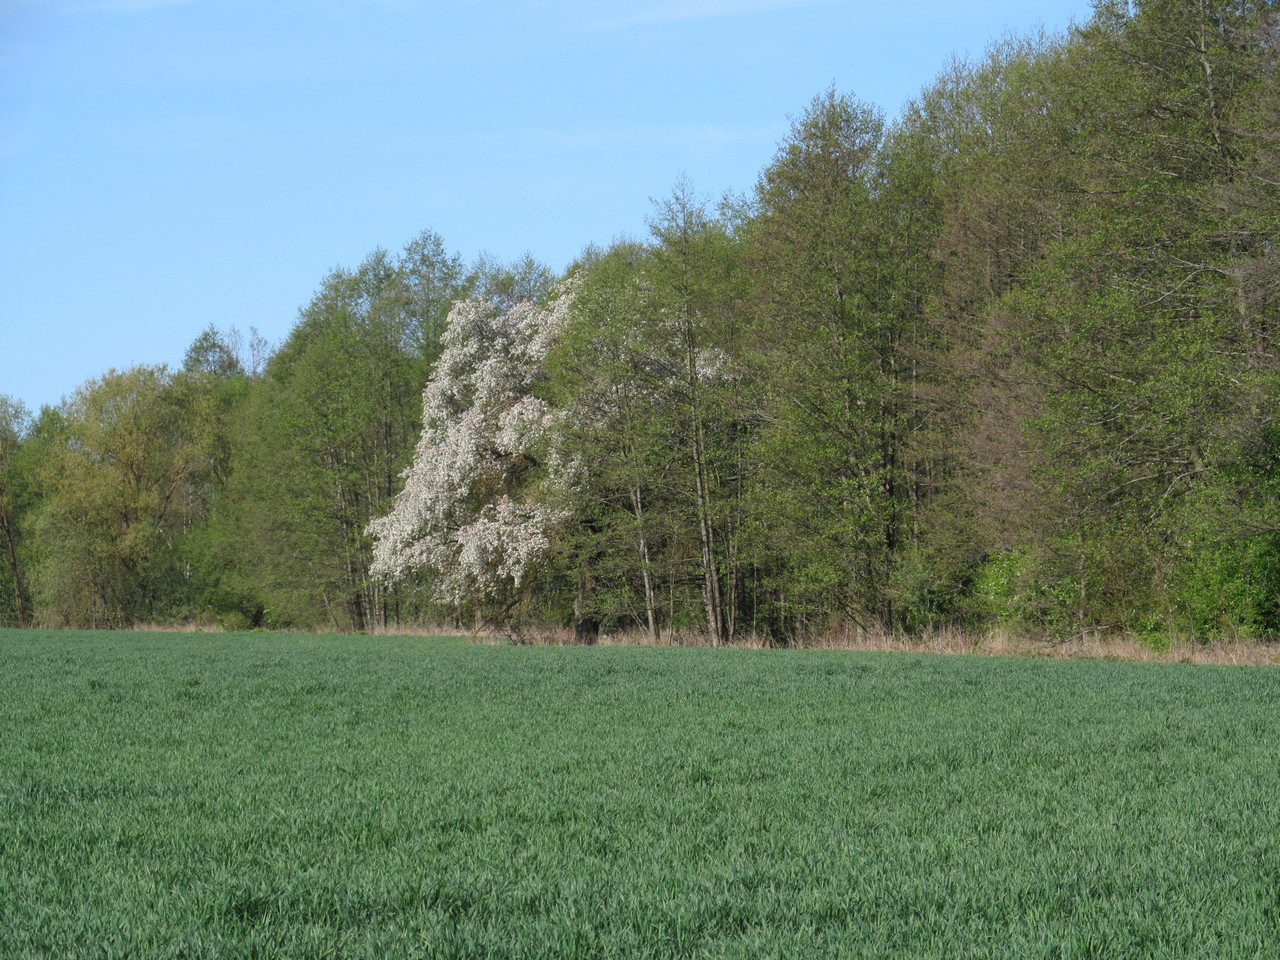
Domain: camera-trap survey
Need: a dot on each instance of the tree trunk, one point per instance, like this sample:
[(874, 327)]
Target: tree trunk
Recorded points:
[(586, 631), (710, 572), (586, 626), (1211, 99), (12, 553), (646, 568), (1081, 599)]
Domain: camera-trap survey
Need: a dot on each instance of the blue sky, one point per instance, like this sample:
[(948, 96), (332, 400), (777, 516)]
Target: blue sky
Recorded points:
[(168, 164)]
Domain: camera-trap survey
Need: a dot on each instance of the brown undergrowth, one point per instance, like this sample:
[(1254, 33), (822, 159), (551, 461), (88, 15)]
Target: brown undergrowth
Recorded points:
[(1098, 646)]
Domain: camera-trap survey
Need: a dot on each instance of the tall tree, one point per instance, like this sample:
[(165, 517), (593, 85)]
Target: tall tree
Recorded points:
[(612, 388), (471, 511), (651, 396), (112, 514), (214, 389), (693, 298), (830, 488), (1137, 312), (983, 146), (330, 429), (15, 423)]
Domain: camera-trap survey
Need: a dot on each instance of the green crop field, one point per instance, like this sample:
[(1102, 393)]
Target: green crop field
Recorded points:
[(170, 795)]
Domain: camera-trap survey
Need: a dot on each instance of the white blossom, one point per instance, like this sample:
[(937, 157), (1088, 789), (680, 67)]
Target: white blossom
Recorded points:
[(462, 512), (523, 425)]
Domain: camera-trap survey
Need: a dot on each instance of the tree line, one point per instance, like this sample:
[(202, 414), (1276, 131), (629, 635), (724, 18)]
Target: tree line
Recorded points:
[(1008, 361)]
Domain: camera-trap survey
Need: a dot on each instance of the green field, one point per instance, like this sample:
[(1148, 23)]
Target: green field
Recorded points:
[(255, 795)]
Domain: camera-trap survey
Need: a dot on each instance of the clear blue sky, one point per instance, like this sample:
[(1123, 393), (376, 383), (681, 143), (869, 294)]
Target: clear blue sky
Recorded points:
[(167, 164)]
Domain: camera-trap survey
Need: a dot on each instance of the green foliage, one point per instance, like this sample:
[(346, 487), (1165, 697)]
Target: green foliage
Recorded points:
[(1010, 360), (650, 379), (1229, 590), (830, 486), (1000, 589), (1104, 373), (214, 354), (16, 497), (287, 796), (322, 440), (506, 285), (119, 473)]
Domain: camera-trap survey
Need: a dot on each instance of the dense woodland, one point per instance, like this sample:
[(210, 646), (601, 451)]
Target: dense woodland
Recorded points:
[(1010, 361)]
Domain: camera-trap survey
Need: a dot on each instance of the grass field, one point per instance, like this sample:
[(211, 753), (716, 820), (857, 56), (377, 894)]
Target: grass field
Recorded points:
[(299, 796)]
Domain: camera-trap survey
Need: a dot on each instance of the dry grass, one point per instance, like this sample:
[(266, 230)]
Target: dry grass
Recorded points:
[(177, 628), (990, 644), (419, 630), (1095, 646)]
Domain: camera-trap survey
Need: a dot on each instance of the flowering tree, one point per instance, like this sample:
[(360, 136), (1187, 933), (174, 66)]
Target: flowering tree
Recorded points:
[(478, 507)]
